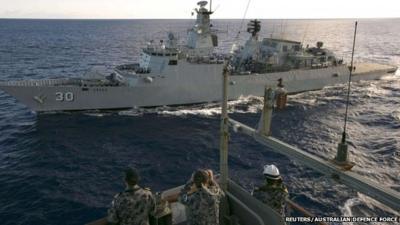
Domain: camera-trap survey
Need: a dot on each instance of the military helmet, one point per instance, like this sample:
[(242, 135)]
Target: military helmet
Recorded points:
[(271, 172)]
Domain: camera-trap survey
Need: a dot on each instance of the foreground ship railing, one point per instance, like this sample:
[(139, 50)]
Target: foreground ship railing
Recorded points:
[(241, 208), (373, 189), (343, 175)]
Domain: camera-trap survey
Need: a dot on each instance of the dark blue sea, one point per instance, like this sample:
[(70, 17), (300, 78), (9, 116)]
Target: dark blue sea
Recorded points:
[(64, 168)]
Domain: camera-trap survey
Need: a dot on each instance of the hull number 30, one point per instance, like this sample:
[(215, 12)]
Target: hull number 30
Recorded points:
[(64, 96)]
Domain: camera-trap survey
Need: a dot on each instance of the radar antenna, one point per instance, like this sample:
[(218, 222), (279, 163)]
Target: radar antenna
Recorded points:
[(253, 27), (202, 4)]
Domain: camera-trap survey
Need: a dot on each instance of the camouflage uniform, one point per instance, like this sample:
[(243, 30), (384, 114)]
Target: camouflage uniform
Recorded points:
[(162, 206), (132, 207), (203, 205), (273, 196)]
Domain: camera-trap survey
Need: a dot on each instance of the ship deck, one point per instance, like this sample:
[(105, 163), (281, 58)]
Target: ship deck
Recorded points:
[(368, 68)]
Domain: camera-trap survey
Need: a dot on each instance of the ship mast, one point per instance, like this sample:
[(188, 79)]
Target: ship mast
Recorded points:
[(342, 155), (201, 39)]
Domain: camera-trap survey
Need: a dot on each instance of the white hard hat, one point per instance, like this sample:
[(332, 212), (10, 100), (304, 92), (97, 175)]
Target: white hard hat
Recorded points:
[(271, 172)]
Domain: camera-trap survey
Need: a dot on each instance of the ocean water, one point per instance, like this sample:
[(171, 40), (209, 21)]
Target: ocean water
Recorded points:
[(64, 168)]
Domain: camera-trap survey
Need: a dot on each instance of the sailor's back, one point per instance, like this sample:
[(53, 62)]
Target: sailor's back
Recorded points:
[(132, 206)]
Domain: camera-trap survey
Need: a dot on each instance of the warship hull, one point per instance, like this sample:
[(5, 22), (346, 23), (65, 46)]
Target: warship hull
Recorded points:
[(184, 85)]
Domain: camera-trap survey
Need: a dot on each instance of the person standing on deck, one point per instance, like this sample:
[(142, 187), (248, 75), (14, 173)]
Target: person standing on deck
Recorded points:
[(132, 206), (202, 202), (274, 192), (212, 184)]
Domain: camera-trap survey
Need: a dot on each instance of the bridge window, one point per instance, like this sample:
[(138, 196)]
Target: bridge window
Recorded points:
[(173, 62)]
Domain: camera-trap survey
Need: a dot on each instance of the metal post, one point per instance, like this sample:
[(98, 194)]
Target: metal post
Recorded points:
[(342, 156), (223, 163), (265, 123)]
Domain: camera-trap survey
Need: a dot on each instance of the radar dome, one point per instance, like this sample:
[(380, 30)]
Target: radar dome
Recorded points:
[(202, 3)]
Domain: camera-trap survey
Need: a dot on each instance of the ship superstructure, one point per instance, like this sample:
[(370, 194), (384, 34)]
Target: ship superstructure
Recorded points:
[(279, 55)]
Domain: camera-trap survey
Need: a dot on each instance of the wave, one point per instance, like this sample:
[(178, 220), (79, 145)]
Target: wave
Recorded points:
[(364, 206), (248, 104)]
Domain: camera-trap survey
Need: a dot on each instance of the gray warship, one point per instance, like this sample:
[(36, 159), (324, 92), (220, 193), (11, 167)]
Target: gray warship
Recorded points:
[(171, 74)]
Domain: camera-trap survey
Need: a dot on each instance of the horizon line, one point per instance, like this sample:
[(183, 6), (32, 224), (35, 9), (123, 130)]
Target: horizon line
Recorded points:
[(320, 18)]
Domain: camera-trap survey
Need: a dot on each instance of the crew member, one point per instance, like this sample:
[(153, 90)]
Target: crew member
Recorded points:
[(132, 206), (280, 95), (273, 192), (214, 187), (202, 202), (211, 183)]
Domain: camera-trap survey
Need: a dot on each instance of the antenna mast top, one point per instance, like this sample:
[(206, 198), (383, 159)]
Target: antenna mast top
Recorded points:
[(202, 5), (254, 27)]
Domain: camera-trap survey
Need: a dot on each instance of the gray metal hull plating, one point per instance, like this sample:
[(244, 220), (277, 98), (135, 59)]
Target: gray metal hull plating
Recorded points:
[(183, 84)]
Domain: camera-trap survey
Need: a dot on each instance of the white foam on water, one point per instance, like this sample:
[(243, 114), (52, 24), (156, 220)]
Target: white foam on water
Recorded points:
[(185, 112), (391, 77), (375, 90), (346, 209), (131, 113), (248, 104), (95, 114), (361, 199)]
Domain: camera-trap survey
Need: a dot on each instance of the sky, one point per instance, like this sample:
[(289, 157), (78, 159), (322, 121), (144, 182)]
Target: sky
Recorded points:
[(181, 9)]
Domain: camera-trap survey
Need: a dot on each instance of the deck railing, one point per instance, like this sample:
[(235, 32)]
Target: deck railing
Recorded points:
[(44, 82)]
